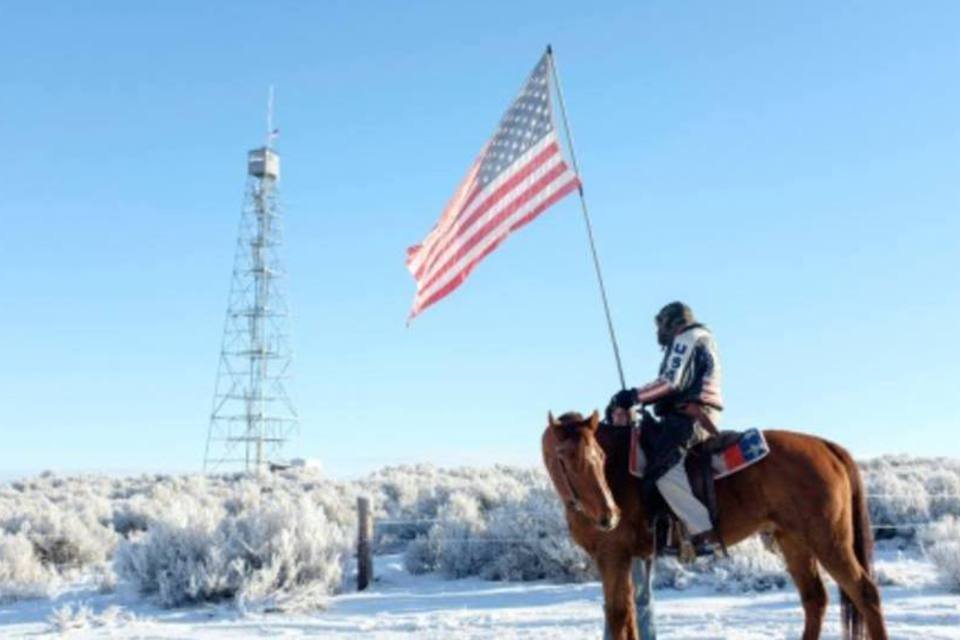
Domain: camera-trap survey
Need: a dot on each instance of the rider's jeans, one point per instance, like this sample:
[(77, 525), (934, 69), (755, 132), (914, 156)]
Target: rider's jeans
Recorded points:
[(674, 485), (675, 488)]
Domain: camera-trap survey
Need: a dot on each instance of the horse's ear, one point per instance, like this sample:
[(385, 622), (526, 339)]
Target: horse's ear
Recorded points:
[(550, 420), (594, 420)]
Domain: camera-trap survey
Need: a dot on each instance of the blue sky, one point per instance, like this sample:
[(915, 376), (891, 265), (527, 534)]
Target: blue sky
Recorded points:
[(790, 170)]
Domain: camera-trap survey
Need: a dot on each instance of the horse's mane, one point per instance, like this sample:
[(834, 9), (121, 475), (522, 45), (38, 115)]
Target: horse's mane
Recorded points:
[(570, 417), (615, 441)]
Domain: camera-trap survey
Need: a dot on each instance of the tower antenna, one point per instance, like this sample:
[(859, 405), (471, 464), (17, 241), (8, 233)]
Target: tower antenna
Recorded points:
[(272, 132)]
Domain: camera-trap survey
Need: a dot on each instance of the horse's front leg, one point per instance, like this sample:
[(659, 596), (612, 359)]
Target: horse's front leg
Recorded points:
[(615, 567)]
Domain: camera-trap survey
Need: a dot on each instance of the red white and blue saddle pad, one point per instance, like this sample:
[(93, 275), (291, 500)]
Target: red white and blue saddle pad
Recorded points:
[(750, 448)]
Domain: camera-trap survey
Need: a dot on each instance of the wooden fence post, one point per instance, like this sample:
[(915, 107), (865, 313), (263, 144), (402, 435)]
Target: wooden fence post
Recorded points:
[(364, 541)]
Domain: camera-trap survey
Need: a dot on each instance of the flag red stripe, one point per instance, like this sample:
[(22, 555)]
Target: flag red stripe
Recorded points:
[(437, 245), (437, 249), (479, 234), (450, 212), (457, 229), (460, 277)]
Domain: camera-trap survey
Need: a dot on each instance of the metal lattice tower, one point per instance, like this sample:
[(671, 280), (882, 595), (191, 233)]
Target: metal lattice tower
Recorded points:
[(252, 413)]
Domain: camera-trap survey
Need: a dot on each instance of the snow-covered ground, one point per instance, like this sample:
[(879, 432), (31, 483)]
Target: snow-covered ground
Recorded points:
[(477, 553), (400, 605)]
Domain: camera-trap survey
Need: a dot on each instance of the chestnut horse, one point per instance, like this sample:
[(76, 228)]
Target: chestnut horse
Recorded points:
[(807, 492)]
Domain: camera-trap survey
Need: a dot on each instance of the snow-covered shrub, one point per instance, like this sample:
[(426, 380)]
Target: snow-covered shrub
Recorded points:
[(275, 551), (291, 550), (902, 568), (420, 493), (750, 567), (896, 499), (522, 538), (22, 575), (421, 555), (191, 533), (178, 563), (73, 524), (171, 500), (50, 527), (529, 540), (942, 542), (943, 486), (65, 533), (452, 546), (69, 618), (105, 578), (904, 493)]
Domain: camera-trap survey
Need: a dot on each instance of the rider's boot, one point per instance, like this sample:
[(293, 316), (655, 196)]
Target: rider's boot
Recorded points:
[(705, 543)]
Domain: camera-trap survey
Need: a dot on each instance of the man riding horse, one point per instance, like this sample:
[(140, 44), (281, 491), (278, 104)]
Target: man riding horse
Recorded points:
[(805, 491), (686, 397)]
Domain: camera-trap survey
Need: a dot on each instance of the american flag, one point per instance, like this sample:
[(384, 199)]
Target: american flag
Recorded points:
[(518, 174)]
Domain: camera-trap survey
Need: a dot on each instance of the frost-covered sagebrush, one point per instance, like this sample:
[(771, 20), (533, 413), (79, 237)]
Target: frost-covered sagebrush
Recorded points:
[(286, 539), (522, 536), (256, 549), (416, 494), (22, 575), (71, 618), (942, 542), (752, 566), (530, 541), (65, 520), (905, 494)]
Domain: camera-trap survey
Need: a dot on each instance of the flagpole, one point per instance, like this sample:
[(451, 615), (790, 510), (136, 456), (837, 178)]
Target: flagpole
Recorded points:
[(586, 218)]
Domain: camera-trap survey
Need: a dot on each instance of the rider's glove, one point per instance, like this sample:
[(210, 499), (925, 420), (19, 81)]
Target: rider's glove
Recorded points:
[(625, 398)]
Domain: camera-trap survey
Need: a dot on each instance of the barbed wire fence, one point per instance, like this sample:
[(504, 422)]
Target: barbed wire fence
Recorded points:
[(370, 529)]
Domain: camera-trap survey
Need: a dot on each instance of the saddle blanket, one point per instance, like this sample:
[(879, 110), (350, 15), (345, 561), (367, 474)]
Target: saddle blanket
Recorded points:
[(748, 449)]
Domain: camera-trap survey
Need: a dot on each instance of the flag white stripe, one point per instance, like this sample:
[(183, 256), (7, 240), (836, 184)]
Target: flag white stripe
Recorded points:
[(496, 234), (501, 232), (449, 217), (463, 237), (479, 229), (432, 244)]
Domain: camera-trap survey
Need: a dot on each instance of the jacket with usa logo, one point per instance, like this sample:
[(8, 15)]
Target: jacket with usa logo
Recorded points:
[(690, 371)]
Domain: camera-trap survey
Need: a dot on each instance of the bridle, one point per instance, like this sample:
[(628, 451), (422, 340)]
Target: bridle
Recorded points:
[(574, 502)]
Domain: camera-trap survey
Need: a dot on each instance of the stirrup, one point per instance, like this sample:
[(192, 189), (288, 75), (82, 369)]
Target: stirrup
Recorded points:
[(704, 544)]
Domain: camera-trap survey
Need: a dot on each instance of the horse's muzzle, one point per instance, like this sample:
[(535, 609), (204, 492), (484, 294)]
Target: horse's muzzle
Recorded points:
[(608, 522)]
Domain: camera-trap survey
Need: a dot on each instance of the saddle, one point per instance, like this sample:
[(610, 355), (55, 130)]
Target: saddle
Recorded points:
[(706, 462)]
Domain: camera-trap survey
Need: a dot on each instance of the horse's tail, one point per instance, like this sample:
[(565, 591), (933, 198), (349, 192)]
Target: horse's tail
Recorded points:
[(853, 627)]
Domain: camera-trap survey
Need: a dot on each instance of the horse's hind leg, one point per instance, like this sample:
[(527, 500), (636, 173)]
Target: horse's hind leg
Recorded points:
[(842, 564), (617, 595), (802, 566)]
